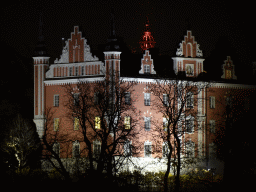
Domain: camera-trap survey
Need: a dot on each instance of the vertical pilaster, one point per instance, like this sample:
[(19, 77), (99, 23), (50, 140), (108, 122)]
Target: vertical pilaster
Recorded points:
[(40, 66)]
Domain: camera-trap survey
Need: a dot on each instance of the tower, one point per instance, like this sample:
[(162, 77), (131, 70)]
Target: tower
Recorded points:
[(112, 61), (147, 40), (41, 64), (112, 54), (228, 69), (188, 59)]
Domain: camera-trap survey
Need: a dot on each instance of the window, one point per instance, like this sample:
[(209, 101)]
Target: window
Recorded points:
[(166, 99), (212, 151), (82, 70), (147, 123), (96, 148), (76, 123), (96, 98), (127, 148), (76, 99), (76, 71), (56, 124), (127, 122), (190, 100), (228, 101), (97, 122), (212, 102), (76, 149), (190, 149), (165, 150), (147, 149), (56, 100), (147, 99), (56, 148), (212, 126), (127, 98), (189, 126), (71, 71), (146, 69), (165, 124)]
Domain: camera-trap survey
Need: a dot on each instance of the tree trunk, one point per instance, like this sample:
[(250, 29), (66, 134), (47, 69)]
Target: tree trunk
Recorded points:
[(167, 173), (177, 178)]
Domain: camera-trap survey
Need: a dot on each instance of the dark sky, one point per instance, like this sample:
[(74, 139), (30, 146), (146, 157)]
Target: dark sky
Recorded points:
[(219, 27)]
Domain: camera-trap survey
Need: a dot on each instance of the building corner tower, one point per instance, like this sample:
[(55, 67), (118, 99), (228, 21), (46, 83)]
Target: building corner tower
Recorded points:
[(41, 64)]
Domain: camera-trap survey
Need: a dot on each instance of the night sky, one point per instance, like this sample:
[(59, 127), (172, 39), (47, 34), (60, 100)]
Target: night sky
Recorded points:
[(210, 22), (219, 27)]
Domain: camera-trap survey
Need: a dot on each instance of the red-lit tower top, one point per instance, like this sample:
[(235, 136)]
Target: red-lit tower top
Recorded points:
[(147, 40)]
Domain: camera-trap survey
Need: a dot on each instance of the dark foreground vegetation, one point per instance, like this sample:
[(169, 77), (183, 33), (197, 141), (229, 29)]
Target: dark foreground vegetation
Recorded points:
[(30, 178)]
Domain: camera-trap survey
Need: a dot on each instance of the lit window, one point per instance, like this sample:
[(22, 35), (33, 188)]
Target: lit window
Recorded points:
[(56, 100), (76, 123), (127, 122), (97, 122), (147, 99), (56, 124)]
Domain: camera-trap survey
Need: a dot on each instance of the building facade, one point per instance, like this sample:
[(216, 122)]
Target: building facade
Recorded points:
[(76, 65)]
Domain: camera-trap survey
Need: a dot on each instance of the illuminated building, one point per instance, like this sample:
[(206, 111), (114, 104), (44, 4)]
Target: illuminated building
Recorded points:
[(77, 63)]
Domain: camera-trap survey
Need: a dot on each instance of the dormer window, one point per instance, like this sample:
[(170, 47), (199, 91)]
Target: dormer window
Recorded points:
[(228, 74), (189, 69), (146, 69), (147, 66), (228, 69)]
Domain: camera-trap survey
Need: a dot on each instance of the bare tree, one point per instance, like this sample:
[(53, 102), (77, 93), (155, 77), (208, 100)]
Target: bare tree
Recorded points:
[(20, 140), (232, 140), (51, 140), (177, 101), (107, 118)]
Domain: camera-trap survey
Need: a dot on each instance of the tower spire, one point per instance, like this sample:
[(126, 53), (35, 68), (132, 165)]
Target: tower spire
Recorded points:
[(112, 44), (147, 40), (113, 32), (41, 37), (40, 49)]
